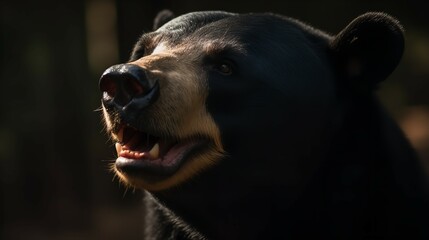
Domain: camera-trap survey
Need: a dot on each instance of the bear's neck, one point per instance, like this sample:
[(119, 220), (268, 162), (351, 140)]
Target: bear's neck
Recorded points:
[(354, 194), (368, 175)]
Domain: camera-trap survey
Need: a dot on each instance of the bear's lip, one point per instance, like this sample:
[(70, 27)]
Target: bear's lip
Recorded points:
[(143, 155)]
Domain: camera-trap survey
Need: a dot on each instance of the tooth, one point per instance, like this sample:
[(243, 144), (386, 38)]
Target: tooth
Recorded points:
[(118, 148), (154, 152)]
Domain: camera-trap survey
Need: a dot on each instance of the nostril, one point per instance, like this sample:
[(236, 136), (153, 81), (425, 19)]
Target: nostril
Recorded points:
[(108, 88), (129, 87), (121, 90), (132, 87), (120, 84)]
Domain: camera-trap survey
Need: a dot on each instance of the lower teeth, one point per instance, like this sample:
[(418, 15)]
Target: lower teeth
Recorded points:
[(123, 150)]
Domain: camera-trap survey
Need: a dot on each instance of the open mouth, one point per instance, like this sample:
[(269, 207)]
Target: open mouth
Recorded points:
[(154, 158)]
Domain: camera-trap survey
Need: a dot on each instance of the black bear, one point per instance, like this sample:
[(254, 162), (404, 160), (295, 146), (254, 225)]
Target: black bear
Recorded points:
[(257, 126)]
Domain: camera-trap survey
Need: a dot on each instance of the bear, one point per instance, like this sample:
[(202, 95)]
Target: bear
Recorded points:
[(259, 126)]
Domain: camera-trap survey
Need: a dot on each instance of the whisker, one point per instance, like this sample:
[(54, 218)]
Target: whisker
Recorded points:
[(113, 160), (125, 193), (114, 178)]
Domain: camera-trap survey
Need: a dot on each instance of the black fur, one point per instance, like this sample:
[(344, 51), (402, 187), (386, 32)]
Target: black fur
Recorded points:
[(310, 152)]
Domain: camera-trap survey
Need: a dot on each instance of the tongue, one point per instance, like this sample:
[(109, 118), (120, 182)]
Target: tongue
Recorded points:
[(140, 145)]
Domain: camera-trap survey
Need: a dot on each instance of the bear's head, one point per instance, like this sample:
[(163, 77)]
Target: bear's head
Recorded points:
[(215, 102), (259, 92)]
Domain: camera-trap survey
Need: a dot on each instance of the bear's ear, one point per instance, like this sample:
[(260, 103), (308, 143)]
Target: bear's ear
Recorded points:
[(369, 49), (161, 18)]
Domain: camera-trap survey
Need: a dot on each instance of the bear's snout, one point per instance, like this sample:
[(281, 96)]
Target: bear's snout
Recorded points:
[(126, 87)]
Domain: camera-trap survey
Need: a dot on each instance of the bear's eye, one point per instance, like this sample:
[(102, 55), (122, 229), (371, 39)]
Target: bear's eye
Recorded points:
[(225, 68)]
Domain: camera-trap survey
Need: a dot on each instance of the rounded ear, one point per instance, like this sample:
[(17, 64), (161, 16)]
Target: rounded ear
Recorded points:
[(161, 18), (369, 49)]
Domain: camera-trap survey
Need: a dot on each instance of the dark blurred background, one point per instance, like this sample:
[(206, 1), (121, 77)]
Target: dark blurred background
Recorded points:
[(54, 156)]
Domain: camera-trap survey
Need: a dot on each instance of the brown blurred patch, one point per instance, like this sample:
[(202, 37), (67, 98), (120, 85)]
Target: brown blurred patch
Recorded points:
[(415, 124)]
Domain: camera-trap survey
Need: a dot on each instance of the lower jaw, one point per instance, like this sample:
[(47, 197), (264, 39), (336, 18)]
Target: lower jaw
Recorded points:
[(142, 168), (154, 171)]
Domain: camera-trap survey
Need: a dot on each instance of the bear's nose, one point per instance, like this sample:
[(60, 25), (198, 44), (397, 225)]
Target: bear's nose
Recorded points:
[(127, 86), (122, 83)]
